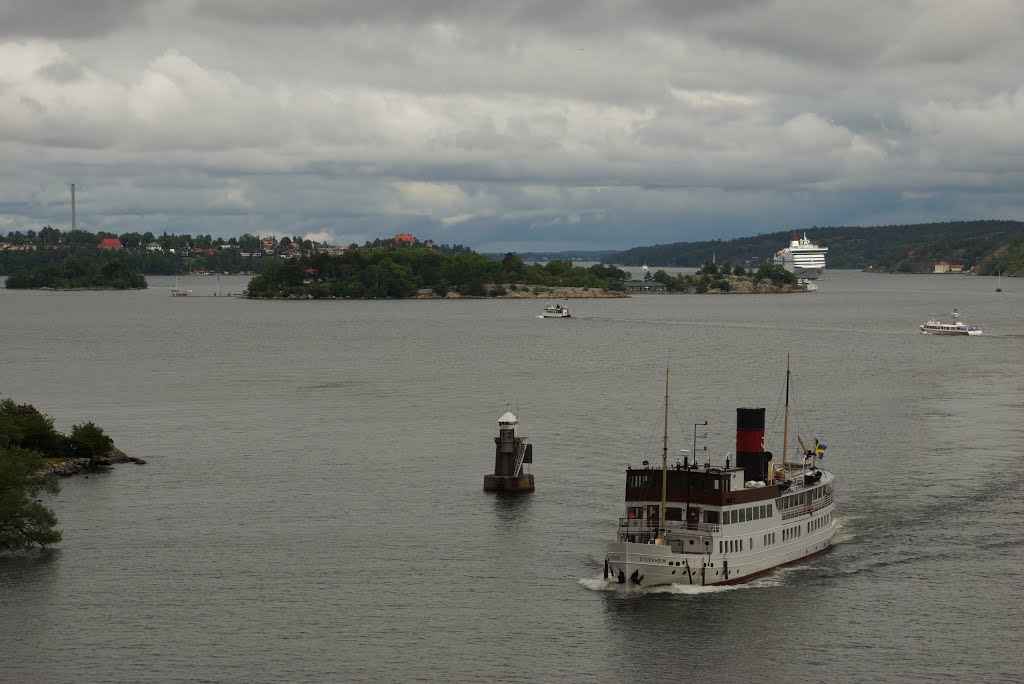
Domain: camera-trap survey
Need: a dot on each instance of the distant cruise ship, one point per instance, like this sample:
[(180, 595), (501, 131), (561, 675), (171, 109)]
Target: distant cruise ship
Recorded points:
[(802, 257)]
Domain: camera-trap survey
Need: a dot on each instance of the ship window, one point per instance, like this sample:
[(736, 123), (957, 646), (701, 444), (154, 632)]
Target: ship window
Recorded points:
[(735, 516), (636, 512), (721, 546), (741, 544), (672, 513), (718, 484), (743, 515), (769, 507), (757, 512)]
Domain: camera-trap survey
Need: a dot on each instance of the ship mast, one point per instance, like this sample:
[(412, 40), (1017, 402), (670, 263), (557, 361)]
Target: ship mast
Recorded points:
[(785, 423), (664, 467)]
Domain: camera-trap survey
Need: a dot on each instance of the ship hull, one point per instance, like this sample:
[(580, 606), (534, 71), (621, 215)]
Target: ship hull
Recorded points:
[(650, 565)]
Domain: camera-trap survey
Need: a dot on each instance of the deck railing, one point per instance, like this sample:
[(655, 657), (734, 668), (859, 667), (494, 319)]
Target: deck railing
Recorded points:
[(649, 524), (808, 508)]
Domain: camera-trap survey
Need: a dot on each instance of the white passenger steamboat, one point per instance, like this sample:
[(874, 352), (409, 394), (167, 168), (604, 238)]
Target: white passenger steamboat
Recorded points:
[(723, 524)]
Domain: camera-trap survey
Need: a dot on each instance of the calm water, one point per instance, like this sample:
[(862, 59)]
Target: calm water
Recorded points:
[(312, 507)]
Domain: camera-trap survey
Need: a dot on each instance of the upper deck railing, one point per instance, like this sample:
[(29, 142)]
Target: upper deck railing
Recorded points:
[(652, 524), (808, 508)]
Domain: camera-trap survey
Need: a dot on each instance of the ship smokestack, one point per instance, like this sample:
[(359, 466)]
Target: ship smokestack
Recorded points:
[(750, 453), (72, 206)]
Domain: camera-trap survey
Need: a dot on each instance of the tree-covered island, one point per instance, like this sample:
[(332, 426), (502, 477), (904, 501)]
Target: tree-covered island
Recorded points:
[(714, 279), (412, 272), (399, 273), (32, 455), (76, 274)]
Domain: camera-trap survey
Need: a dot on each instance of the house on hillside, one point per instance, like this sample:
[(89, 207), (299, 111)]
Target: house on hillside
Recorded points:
[(154, 247), (946, 267), (111, 244), (404, 239)]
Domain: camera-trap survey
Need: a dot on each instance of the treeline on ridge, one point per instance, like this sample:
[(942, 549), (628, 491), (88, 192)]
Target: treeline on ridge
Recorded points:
[(398, 273), (985, 247)]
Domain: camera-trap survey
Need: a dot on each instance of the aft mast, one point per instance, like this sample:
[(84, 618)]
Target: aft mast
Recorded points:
[(664, 468), (785, 423)]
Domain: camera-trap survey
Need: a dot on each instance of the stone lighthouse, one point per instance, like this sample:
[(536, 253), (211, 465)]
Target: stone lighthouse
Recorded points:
[(511, 453)]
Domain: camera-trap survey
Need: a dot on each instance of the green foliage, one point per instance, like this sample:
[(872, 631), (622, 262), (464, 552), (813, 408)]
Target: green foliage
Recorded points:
[(89, 441), (74, 272), (401, 272), (24, 521), (776, 274), (24, 426), (26, 437)]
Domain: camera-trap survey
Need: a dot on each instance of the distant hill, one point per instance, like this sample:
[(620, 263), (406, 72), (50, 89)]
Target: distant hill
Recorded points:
[(985, 247), (574, 255)]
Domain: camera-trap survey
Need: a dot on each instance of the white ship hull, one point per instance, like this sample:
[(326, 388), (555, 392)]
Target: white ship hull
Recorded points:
[(648, 565), (803, 258)]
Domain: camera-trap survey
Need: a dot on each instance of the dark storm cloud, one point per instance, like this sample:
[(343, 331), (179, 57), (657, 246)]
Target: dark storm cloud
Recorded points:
[(569, 16), (63, 19)]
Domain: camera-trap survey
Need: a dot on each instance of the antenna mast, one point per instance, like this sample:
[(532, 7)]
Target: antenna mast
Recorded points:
[(664, 466), (785, 422)]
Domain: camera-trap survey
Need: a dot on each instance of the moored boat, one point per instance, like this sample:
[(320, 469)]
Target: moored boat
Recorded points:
[(724, 523), (179, 291), (957, 327)]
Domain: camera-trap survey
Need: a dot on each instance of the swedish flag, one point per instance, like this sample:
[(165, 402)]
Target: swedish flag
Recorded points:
[(819, 448)]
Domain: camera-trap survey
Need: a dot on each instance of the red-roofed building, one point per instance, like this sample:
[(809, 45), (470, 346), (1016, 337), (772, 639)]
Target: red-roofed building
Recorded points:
[(113, 244), (404, 239)]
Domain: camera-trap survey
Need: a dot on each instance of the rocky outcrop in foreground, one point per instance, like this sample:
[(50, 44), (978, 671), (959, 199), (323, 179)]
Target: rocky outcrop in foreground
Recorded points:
[(73, 466)]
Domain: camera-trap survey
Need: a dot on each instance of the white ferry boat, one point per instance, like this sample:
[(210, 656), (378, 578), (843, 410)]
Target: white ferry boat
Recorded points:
[(556, 311), (723, 524), (802, 257), (957, 327)]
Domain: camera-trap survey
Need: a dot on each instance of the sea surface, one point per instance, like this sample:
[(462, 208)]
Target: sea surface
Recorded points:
[(312, 507)]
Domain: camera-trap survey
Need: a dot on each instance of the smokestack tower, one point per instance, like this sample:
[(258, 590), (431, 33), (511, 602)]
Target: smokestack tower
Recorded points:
[(72, 206)]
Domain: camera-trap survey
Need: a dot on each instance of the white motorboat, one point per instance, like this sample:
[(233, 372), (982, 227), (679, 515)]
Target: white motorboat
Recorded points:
[(556, 311), (957, 327)]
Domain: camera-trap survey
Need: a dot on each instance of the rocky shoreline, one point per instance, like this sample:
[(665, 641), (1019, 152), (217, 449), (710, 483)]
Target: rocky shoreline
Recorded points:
[(74, 466)]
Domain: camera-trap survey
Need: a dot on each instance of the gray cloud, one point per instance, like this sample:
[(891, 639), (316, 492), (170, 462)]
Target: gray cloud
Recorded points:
[(513, 124), (61, 19)]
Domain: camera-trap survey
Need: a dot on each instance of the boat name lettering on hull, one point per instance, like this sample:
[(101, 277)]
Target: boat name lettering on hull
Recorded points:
[(649, 559)]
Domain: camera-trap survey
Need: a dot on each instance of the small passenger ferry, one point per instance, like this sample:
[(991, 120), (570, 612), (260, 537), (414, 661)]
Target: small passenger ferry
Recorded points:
[(705, 524), (556, 311), (957, 327)]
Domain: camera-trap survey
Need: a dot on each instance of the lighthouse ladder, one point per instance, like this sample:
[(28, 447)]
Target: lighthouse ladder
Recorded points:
[(520, 455)]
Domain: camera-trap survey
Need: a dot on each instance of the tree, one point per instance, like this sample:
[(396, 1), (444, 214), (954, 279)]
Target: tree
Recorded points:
[(24, 521), (89, 441)]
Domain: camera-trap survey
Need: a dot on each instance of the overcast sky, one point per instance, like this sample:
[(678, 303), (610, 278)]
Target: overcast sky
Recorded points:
[(509, 124)]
